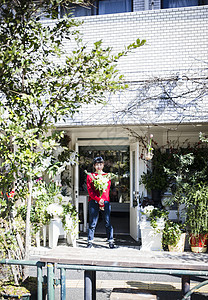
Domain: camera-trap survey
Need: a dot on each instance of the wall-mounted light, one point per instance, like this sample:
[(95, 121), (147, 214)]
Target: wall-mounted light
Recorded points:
[(180, 79)]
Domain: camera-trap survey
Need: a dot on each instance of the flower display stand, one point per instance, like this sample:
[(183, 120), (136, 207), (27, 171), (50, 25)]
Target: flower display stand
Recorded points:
[(55, 230), (151, 237)]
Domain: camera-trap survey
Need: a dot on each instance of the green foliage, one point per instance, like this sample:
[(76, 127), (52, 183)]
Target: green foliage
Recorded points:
[(197, 209), (101, 181), (70, 218), (179, 179), (41, 84), (14, 290), (157, 178), (154, 181), (41, 88), (155, 215), (43, 195), (171, 233)]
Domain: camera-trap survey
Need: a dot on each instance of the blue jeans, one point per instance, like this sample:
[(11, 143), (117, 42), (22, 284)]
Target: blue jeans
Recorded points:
[(93, 219)]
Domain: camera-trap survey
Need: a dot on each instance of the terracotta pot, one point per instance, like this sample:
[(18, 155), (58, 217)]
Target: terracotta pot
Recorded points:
[(198, 243)]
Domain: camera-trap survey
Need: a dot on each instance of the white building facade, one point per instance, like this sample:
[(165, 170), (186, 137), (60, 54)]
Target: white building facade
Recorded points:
[(167, 94)]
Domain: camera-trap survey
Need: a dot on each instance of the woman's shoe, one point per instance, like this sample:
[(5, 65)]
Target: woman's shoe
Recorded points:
[(89, 245), (112, 245)]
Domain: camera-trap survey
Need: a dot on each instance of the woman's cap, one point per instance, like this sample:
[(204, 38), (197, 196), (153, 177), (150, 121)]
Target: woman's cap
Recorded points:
[(98, 159)]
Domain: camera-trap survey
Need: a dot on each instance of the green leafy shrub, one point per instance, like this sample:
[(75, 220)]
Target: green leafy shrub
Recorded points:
[(171, 233), (197, 211)]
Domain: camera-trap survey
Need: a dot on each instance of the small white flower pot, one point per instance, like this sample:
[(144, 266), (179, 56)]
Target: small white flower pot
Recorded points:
[(55, 229)]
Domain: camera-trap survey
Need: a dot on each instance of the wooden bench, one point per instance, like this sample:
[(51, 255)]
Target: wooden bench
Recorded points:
[(125, 260)]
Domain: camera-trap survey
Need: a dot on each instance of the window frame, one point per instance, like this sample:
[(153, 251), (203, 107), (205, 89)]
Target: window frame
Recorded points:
[(200, 3)]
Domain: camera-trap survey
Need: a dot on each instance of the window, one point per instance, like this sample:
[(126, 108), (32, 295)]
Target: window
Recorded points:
[(100, 7), (113, 6), (182, 3)]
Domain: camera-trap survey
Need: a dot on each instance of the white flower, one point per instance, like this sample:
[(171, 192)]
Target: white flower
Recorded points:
[(46, 162), (148, 209), (55, 209), (37, 191)]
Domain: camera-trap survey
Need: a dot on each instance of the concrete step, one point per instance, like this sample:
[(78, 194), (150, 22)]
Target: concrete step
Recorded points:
[(132, 294)]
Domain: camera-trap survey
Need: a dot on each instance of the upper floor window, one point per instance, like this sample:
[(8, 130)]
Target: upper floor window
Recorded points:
[(114, 6), (100, 7), (182, 3)]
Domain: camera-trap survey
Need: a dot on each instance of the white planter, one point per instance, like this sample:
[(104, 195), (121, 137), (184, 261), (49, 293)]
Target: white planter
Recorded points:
[(71, 239), (55, 229), (151, 237)]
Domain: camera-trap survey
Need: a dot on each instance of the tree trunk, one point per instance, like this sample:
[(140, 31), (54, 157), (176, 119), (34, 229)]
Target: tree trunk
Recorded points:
[(27, 231)]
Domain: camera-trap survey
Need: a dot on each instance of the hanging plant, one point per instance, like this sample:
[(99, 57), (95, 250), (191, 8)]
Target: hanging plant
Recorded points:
[(148, 155)]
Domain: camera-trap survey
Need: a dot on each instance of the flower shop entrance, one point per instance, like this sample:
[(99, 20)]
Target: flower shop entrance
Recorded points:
[(117, 161)]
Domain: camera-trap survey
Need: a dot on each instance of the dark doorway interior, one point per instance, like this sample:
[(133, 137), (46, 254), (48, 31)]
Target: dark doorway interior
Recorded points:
[(116, 161), (119, 221)]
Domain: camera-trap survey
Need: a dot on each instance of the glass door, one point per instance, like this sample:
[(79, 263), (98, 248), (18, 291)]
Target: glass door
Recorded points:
[(116, 161), (134, 191)]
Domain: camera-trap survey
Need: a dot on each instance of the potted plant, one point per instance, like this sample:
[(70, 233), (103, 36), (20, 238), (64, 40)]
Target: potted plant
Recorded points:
[(173, 237), (43, 195), (26, 290), (31, 283), (148, 155), (155, 183), (151, 226), (156, 178), (178, 173), (12, 291), (70, 222), (197, 217), (64, 221)]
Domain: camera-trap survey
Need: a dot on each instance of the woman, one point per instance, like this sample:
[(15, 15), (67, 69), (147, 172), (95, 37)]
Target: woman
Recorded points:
[(97, 202)]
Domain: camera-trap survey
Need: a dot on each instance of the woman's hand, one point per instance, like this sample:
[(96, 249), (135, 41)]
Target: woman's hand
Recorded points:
[(101, 202)]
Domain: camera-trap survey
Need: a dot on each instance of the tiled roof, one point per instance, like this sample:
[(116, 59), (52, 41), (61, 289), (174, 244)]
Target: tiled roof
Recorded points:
[(127, 108)]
